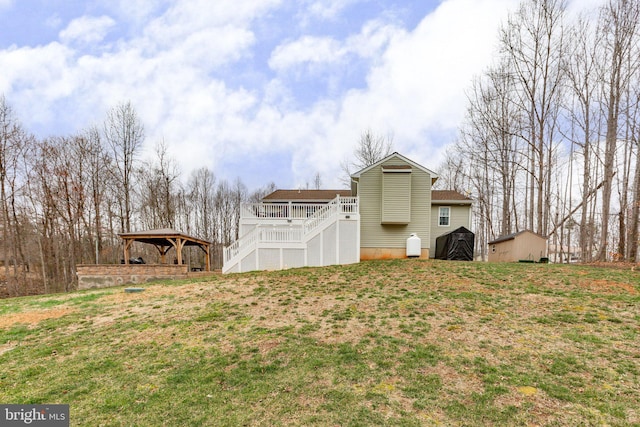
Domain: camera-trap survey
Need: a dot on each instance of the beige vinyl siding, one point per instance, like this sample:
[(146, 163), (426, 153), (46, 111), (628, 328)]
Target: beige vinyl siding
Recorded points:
[(377, 235), (396, 196), (459, 216)]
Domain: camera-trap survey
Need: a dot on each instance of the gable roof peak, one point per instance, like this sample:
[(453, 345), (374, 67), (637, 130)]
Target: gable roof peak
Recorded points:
[(434, 175)]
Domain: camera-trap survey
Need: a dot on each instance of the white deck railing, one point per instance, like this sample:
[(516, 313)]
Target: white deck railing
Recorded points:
[(267, 211), (339, 205), (280, 210), (348, 205), (313, 214), (280, 234), (265, 234), (245, 241), (328, 211)]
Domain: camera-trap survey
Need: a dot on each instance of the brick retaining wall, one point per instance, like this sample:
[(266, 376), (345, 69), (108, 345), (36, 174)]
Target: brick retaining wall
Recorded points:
[(104, 276)]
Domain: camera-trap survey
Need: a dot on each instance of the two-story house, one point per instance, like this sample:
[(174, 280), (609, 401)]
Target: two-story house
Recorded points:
[(388, 202)]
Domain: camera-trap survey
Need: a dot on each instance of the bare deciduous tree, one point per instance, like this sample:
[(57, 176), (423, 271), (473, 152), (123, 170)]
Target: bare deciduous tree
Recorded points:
[(618, 27), (582, 115), (124, 134), (634, 239), (371, 149), (317, 181), (256, 196), (532, 42), (14, 142), (159, 190), (97, 177)]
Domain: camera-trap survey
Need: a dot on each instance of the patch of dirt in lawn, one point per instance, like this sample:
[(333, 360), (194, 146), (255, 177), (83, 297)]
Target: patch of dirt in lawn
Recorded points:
[(545, 408), (619, 265), (6, 347), (267, 345), (262, 309), (350, 332), (152, 291), (150, 302), (33, 317), (607, 286), (455, 381)]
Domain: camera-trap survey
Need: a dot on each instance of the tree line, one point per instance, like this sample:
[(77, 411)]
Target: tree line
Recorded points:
[(550, 140), (550, 143), (64, 199)]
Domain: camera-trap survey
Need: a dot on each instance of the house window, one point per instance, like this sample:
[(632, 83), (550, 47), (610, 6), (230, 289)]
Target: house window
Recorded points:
[(443, 216)]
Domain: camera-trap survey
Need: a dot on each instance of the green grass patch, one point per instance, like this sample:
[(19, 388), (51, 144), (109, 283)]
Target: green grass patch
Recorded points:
[(402, 343)]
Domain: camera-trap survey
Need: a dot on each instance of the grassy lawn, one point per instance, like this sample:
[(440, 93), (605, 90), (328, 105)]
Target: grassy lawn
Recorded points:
[(405, 342)]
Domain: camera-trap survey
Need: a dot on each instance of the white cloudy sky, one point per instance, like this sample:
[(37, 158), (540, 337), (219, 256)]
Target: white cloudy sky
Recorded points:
[(264, 90)]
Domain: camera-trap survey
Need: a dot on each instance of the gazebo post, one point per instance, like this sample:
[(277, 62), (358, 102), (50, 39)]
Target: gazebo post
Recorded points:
[(178, 244), (127, 246), (206, 257), (163, 252)]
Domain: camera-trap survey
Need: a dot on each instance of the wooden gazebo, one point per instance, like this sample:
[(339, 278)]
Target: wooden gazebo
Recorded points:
[(164, 239)]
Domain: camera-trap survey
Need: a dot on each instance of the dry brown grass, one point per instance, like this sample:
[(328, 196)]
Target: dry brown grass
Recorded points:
[(33, 317), (396, 343)]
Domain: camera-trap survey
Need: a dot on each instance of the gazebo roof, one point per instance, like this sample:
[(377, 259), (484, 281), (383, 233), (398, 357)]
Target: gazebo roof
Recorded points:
[(162, 237)]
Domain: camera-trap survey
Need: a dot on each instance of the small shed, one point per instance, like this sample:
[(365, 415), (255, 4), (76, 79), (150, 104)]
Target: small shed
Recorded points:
[(521, 246), (456, 245)]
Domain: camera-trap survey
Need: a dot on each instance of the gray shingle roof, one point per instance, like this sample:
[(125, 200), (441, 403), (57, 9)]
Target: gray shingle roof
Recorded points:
[(306, 195)]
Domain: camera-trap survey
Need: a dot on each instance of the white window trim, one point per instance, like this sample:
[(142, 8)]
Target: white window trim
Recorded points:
[(448, 217)]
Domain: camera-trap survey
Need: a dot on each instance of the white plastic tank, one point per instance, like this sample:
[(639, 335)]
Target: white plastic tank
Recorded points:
[(413, 246)]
